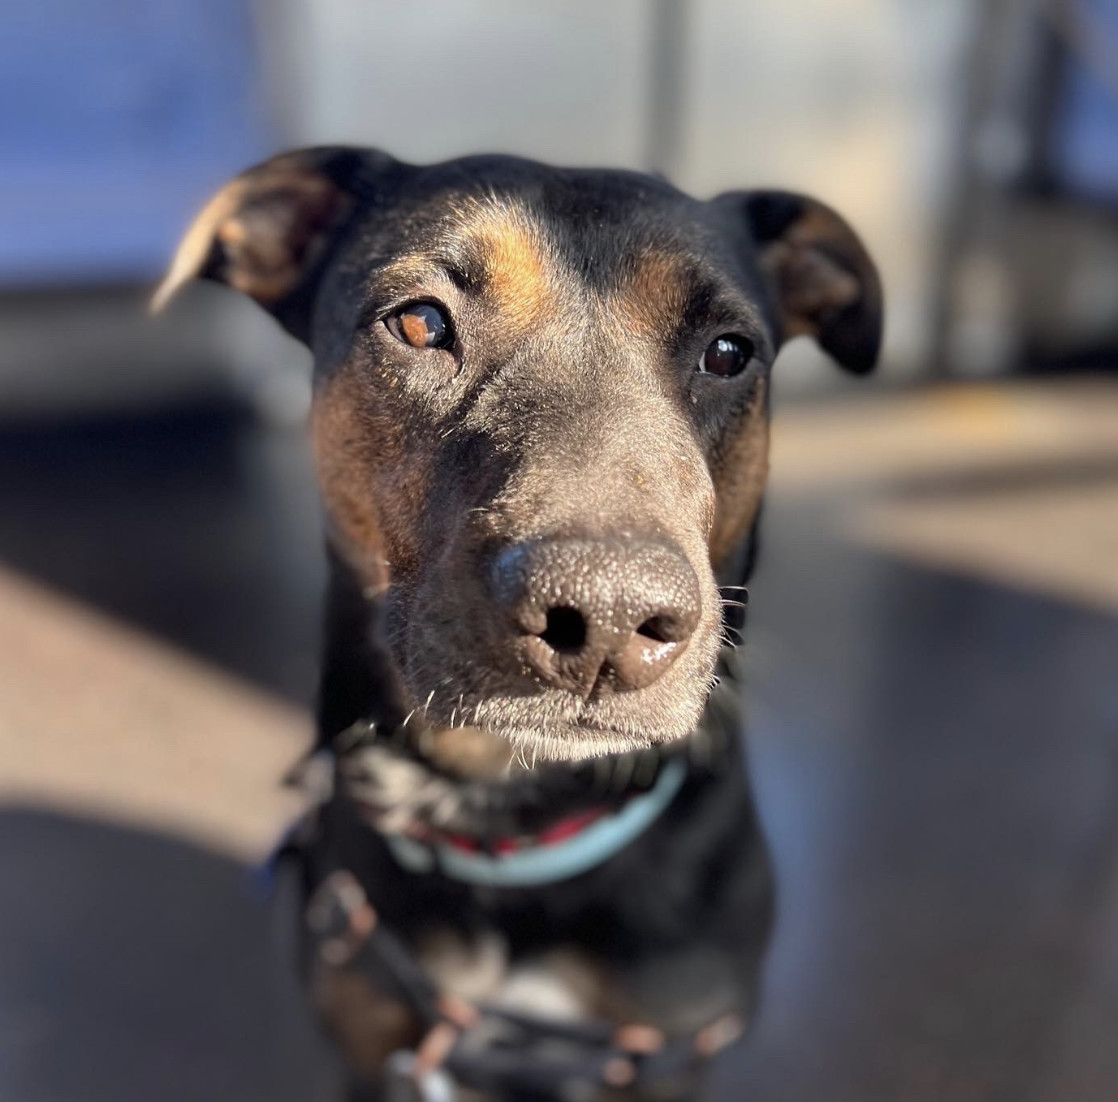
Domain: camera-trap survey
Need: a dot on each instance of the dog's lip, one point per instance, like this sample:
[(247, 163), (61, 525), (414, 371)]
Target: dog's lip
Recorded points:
[(580, 742), (582, 723), (577, 728)]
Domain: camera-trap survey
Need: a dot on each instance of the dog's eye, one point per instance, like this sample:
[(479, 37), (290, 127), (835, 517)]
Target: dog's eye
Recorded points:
[(726, 355), (422, 325)]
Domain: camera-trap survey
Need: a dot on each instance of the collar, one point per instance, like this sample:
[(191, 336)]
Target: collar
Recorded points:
[(572, 847)]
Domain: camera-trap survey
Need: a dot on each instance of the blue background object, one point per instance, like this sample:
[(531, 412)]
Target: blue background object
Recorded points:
[(116, 117), (1084, 152)]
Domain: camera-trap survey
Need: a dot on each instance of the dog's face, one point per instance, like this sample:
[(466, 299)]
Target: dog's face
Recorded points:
[(540, 412)]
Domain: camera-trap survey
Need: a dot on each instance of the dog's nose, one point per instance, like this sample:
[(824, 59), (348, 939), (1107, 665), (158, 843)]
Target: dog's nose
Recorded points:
[(596, 614)]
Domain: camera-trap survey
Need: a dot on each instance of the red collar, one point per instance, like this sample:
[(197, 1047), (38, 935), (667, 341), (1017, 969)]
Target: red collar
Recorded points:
[(559, 831)]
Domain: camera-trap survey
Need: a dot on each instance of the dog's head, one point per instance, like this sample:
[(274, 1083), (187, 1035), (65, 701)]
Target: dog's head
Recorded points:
[(540, 412)]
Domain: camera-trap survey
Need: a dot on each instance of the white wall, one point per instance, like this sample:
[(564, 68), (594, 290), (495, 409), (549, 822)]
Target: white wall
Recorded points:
[(850, 100)]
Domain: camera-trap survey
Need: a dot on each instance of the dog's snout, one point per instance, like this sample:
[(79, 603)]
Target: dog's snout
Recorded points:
[(596, 615)]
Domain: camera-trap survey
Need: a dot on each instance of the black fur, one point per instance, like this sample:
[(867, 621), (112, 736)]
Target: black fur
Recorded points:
[(568, 407)]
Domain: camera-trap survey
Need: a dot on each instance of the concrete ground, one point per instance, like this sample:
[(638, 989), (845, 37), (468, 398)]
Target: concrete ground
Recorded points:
[(933, 641)]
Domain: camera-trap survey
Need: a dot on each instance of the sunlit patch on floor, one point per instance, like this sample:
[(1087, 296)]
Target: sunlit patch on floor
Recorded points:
[(100, 720)]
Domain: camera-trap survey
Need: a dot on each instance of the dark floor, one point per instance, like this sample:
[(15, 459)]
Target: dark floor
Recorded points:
[(936, 760)]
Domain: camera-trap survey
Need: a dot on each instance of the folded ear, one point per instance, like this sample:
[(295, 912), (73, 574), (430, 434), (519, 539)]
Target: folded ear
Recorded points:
[(823, 280), (267, 231)]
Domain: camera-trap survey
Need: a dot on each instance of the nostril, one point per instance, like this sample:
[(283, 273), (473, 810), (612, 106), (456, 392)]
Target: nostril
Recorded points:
[(658, 629), (565, 630), (591, 615)]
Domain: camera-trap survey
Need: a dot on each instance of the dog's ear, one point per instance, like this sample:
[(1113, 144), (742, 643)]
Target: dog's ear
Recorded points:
[(268, 230), (822, 279)]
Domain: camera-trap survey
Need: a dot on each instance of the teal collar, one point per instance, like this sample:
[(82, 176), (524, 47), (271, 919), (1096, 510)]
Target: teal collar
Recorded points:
[(545, 864)]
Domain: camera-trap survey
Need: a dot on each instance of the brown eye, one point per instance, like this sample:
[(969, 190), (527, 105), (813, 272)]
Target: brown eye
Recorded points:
[(422, 325), (726, 355)]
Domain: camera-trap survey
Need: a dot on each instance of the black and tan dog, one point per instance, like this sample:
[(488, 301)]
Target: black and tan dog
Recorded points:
[(540, 420)]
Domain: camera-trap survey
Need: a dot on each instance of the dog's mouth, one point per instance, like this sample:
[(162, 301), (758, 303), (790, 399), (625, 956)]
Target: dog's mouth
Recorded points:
[(551, 725)]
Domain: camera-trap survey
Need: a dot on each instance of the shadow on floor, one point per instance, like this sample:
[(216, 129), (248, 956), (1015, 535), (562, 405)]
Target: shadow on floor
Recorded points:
[(196, 525), (138, 967), (936, 760)]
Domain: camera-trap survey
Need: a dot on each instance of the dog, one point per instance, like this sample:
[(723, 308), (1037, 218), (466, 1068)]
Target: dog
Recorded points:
[(540, 424)]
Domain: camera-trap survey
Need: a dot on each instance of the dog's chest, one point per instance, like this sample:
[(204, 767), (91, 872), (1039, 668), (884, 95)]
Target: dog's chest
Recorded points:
[(559, 983), (678, 991)]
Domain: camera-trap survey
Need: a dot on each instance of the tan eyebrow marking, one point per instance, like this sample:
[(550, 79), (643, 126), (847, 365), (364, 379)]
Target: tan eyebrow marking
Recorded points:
[(521, 274), (653, 298), (509, 252)]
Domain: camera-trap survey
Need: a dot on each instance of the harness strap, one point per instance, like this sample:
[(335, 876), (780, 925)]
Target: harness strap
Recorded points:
[(489, 1047)]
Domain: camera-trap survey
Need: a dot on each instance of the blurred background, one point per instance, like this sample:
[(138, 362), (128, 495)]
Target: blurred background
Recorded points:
[(933, 636)]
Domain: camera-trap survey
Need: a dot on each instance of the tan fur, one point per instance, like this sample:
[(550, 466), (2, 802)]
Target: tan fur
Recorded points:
[(652, 300), (339, 440), (563, 983), (467, 752), (519, 272), (740, 472), (267, 249), (470, 969), (367, 1025), (372, 493), (196, 244), (809, 283), (809, 286)]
